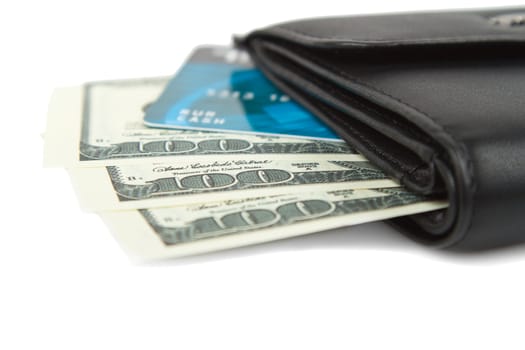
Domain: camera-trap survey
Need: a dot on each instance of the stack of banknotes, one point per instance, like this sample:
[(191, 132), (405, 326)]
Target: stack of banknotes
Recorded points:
[(167, 192)]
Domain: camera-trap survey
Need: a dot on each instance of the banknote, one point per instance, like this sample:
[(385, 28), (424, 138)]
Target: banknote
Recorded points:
[(101, 123), (182, 182), (177, 231)]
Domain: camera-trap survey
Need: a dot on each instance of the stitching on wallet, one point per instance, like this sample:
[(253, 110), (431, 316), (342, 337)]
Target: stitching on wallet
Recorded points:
[(394, 161), (364, 139), (459, 39)]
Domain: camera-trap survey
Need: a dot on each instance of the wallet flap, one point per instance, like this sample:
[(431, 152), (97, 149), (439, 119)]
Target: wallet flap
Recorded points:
[(488, 26)]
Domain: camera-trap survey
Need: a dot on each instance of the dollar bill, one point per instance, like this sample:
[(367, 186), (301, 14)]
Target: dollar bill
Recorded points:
[(182, 182), (177, 231), (101, 123)]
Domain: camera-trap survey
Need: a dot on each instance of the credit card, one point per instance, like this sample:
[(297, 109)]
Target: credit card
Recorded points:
[(219, 89)]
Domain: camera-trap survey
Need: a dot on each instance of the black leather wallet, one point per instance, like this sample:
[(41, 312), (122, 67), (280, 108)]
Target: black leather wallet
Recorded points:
[(437, 100)]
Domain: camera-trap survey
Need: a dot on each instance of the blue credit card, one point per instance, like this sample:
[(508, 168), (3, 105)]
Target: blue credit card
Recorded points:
[(218, 89)]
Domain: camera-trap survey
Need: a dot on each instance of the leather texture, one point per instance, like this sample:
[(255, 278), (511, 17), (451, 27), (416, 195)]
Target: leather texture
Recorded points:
[(437, 100)]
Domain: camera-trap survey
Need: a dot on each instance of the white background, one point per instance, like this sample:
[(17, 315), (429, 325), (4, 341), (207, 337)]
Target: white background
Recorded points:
[(65, 283)]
